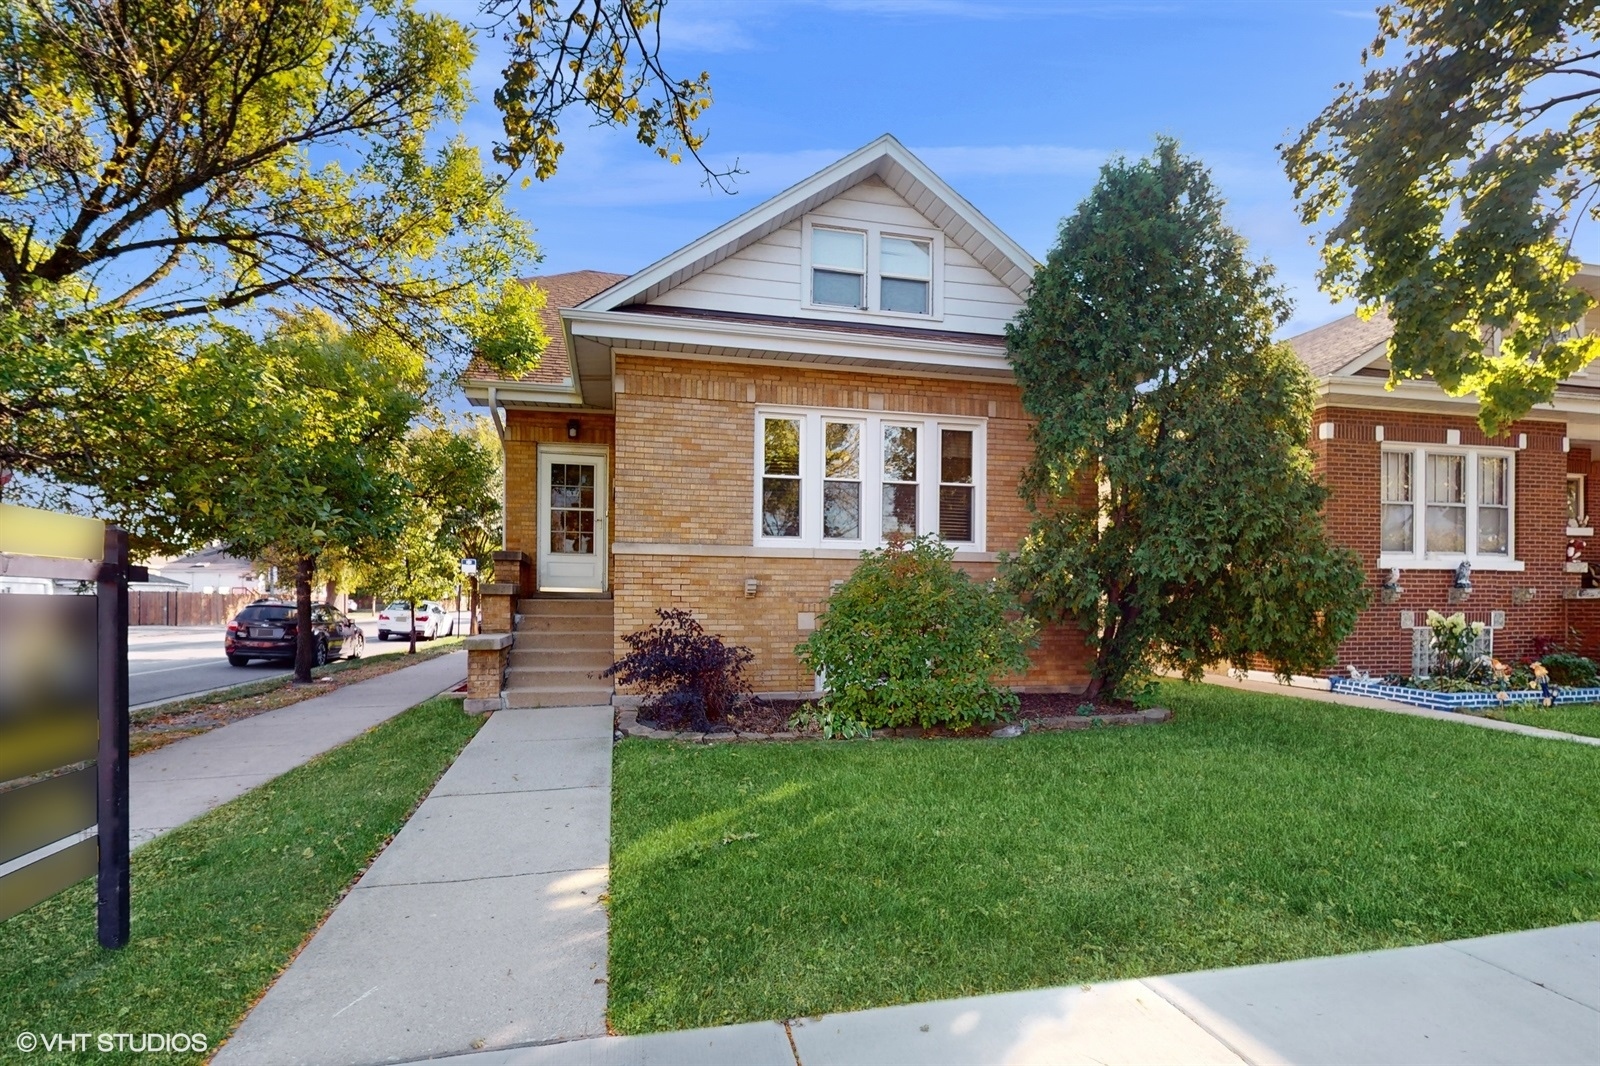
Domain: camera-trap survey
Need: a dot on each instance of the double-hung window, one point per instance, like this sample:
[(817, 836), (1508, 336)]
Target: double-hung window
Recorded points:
[(872, 269), (836, 479), (1443, 506)]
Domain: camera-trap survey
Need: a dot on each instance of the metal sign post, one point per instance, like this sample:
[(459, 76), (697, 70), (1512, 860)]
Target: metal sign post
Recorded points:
[(111, 920)]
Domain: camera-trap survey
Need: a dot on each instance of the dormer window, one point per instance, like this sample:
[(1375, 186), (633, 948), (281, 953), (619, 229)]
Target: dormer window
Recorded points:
[(838, 268), (872, 268), (905, 269)]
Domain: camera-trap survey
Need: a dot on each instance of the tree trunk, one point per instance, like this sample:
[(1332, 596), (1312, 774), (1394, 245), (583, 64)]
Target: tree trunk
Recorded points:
[(472, 607), (411, 607), (305, 638)]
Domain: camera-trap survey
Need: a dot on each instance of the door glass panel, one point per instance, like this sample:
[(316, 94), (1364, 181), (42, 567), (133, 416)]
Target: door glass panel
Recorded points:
[(572, 508)]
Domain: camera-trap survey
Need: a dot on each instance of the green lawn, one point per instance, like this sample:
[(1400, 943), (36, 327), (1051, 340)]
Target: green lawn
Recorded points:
[(783, 880), (1580, 718), (222, 904)]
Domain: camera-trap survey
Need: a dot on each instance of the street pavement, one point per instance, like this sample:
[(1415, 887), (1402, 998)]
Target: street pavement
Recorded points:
[(174, 784), (170, 662)]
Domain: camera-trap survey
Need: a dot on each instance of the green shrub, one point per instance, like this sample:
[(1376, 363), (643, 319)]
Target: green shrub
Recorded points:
[(1567, 668), (910, 639)]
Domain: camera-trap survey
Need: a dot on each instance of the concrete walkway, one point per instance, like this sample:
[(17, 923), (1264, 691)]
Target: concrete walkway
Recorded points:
[(1272, 688), (480, 925), (1516, 998), (187, 778)]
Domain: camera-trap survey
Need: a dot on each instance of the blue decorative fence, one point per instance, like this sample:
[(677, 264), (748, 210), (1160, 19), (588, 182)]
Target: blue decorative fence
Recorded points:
[(1455, 701)]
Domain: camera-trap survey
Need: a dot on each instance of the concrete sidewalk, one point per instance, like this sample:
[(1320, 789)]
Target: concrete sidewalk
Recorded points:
[(480, 925), (187, 778), (1515, 998)]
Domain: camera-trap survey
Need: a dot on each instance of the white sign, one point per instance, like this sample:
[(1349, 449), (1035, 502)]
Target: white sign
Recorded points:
[(469, 567)]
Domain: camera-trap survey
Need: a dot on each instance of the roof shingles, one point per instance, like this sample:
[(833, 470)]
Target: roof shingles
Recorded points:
[(560, 291), (1327, 348)]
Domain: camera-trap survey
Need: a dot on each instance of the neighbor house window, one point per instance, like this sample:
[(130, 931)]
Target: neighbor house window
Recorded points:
[(1440, 507), (838, 267), (852, 480), (872, 268), (1577, 505)]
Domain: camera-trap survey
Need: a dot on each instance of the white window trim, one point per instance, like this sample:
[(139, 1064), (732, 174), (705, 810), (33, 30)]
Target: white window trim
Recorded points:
[(813, 469), (1421, 559), (875, 232)]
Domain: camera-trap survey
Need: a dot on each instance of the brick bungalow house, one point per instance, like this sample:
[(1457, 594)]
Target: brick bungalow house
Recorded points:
[(1417, 487), (728, 428)]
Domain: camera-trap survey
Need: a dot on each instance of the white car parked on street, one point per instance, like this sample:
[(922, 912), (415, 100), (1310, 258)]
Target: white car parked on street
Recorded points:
[(431, 620)]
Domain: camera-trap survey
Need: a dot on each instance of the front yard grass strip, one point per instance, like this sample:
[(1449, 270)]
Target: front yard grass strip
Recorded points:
[(756, 881), (155, 727), (1580, 718), (220, 906)]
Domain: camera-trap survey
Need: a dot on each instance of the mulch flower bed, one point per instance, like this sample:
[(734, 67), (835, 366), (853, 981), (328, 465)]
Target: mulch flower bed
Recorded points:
[(769, 720)]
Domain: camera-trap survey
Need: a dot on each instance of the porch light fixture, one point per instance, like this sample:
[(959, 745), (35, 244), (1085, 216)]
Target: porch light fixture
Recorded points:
[(572, 429), (751, 586)]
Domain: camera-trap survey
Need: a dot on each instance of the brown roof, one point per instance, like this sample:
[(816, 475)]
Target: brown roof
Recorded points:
[(1327, 348), (560, 291)]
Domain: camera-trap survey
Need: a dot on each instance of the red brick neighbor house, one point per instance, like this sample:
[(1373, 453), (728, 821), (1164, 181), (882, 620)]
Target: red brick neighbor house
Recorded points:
[(728, 428), (1418, 488)]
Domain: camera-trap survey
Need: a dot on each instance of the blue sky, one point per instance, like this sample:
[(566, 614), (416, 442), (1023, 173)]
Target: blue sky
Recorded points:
[(1015, 104)]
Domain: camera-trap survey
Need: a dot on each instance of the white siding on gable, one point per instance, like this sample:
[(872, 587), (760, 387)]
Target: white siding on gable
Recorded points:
[(767, 278)]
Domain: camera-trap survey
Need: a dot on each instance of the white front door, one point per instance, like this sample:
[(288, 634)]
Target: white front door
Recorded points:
[(573, 492)]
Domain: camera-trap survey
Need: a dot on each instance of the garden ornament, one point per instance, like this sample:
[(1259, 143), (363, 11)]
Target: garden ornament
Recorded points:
[(1575, 550), (1500, 678), (1463, 576), (1547, 691), (1392, 583)]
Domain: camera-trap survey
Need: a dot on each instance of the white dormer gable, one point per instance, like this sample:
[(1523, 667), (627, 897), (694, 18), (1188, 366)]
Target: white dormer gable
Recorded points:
[(875, 239)]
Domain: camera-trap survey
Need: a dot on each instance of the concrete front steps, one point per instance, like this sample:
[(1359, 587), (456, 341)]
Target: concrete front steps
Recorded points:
[(563, 643)]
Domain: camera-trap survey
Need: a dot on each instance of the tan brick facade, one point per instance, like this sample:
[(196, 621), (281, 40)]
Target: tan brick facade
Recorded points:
[(1350, 464), (683, 444)]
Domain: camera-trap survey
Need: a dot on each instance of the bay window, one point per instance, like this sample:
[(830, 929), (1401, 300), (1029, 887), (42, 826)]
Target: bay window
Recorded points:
[(1442, 506), (834, 479)]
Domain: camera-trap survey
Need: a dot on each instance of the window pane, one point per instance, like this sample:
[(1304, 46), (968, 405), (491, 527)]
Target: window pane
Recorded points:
[(900, 509), (782, 449), (844, 450), (839, 248), (1446, 483), (1574, 499), (910, 297), (841, 510), (1446, 528), (899, 453), (1492, 481), (1494, 530), (955, 456), (1396, 477), (955, 512), (1398, 525), (905, 258), (837, 290), (780, 507)]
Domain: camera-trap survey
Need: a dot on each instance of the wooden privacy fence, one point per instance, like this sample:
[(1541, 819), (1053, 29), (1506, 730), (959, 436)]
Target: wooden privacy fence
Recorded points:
[(154, 607)]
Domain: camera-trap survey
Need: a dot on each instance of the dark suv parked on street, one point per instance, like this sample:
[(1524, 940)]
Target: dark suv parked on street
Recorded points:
[(267, 630)]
